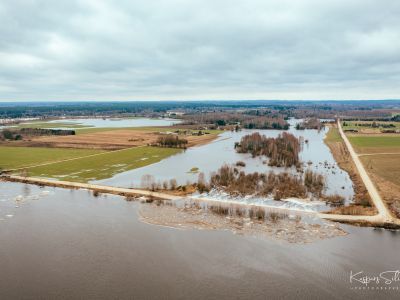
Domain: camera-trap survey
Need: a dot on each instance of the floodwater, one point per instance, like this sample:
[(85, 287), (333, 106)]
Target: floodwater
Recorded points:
[(208, 158), (69, 244), (120, 122)]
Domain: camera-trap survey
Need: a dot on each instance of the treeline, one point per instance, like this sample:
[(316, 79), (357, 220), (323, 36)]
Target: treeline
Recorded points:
[(234, 118), (42, 131), (282, 151), (298, 109), (19, 134), (265, 123), (311, 123), (9, 135), (372, 125), (172, 141)]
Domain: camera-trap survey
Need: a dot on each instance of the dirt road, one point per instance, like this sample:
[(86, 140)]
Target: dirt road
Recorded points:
[(383, 212), (136, 192), (376, 219)]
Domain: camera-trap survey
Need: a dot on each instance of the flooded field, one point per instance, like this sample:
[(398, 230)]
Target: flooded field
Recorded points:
[(289, 226), (208, 158), (119, 122), (81, 246)]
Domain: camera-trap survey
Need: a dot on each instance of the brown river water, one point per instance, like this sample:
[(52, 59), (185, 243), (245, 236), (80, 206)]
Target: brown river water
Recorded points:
[(58, 243)]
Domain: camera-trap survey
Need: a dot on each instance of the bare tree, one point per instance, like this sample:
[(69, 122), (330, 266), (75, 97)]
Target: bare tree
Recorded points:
[(147, 181)]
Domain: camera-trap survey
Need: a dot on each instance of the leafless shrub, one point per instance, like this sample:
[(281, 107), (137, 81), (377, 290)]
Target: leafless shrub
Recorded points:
[(240, 163), (257, 213), (165, 185), (314, 182), (276, 216), (202, 185), (173, 184), (334, 200)]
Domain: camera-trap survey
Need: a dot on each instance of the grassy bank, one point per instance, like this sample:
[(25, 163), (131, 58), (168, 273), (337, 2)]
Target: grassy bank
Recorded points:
[(17, 157), (339, 151), (333, 135), (103, 166)]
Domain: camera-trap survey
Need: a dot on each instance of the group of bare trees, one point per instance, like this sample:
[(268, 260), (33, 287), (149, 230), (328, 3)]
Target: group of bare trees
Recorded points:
[(282, 151), (263, 122), (310, 123), (237, 183), (149, 182), (280, 186), (250, 121), (172, 141)]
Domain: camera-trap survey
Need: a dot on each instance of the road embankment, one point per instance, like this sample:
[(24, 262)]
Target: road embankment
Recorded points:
[(375, 220)]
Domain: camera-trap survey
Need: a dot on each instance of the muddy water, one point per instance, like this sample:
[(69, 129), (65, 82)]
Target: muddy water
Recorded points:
[(208, 158), (68, 244)]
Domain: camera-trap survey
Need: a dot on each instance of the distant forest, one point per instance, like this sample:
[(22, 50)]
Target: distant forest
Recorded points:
[(321, 109)]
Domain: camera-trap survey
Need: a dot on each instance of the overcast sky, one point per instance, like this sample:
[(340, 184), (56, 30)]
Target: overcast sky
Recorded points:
[(199, 49)]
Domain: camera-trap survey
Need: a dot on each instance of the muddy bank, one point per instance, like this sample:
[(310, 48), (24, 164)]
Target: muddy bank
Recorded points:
[(250, 221)]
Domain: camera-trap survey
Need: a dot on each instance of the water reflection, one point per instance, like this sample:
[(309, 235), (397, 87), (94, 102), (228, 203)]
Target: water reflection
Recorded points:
[(120, 122), (208, 158), (70, 242)]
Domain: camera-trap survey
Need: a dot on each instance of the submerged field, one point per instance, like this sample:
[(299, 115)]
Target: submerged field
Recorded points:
[(103, 166)]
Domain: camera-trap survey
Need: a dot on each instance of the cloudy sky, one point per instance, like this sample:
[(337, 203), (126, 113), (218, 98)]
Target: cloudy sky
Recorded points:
[(199, 49)]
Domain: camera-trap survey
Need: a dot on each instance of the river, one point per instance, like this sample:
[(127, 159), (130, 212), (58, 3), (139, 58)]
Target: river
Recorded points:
[(58, 243), (208, 158)]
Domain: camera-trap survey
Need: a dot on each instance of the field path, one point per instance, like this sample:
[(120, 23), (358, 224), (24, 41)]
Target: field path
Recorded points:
[(137, 192), (371, 154)]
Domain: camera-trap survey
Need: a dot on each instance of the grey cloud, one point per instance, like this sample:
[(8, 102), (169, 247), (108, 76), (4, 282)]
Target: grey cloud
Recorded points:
[(175, 49)]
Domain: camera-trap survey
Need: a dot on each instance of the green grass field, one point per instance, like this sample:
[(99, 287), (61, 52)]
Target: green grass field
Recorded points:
[(103, 166), (359, 126), (47, 125), (17, 157), (333, 135), (375, 141)]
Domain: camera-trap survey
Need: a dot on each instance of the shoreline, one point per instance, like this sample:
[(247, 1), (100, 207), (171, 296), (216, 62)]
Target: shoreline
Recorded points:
[(361, 220)]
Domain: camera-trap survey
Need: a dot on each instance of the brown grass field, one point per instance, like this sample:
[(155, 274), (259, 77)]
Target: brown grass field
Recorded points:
[(107, 140), (380, 155)]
